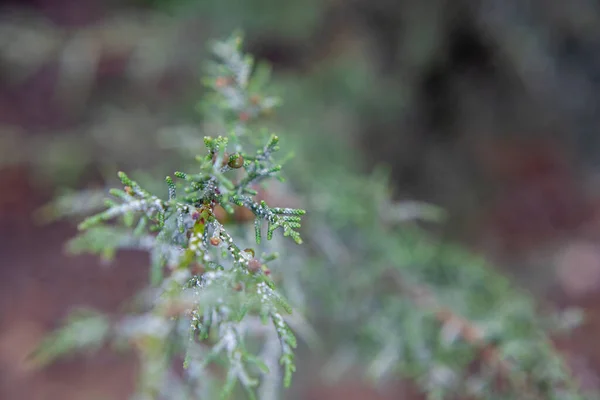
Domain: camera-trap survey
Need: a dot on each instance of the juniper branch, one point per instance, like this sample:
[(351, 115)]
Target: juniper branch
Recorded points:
[(204, 286)]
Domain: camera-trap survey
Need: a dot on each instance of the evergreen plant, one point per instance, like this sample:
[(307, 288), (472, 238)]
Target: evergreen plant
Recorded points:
[(381, 292)]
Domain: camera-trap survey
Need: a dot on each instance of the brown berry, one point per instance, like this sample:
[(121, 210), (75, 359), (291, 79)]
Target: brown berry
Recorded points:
[(244, 116), (236, 161), (254, 265), (215, 241), (128, 190), (222, 82), (237, 287), (198, 269), (255, 99)]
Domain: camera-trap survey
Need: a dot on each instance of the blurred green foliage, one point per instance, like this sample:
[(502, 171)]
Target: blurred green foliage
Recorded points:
[(345, 109)]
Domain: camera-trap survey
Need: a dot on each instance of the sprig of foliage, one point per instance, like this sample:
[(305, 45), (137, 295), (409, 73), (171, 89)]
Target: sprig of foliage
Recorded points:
[(209, 296)]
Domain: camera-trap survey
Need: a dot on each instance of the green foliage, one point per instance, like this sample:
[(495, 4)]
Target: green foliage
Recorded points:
[(83, 329), (396, 299), (294, 18), (385, 294), (208, 293)]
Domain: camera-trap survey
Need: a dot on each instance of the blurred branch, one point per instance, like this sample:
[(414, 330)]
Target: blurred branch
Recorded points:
[(472, 334)]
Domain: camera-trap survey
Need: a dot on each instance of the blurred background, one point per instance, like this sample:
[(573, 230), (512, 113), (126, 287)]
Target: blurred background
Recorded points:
[(487, 108)]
